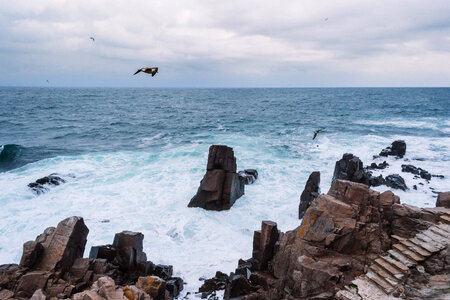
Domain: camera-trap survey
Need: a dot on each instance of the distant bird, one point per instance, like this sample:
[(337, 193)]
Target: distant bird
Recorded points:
[(152, 70), (92, 39), (317, 132), (326, 19)]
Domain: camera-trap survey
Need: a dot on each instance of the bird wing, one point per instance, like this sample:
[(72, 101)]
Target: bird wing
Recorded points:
[(154, 71), (137, 71), (315, 134)]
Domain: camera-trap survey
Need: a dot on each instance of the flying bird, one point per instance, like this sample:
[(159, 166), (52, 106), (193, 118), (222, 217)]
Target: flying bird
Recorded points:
[(326, 19), (92, 39), (317, 132), (152, 70)]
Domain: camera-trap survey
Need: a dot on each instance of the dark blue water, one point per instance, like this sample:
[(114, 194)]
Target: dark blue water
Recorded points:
[(48, 122)]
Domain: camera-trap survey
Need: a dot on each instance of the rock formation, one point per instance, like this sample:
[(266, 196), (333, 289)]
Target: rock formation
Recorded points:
[(397, 148), (53, 266), (310, 192), (396, 181), (350, 167), (221, 186), (418, 171), (41, 185), (248, 175), (443, 200)]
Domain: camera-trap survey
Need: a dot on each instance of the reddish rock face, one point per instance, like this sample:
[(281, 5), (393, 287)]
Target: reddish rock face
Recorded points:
[(221, 186), (443, 200)]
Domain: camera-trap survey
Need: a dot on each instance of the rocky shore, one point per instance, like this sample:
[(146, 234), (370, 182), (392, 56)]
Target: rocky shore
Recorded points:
[(353, 243)]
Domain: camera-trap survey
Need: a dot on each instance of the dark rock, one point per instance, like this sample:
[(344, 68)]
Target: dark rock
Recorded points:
[(129, 249), (39, 186), (310, 192), (249, 176), (418, 171), (381, 166), (238, 285), (216, 283), (376, 180), (443, 200), (396, 181), (174, 285), (163, 271), (31, 254), (63, 245), (9, 274), (107, 252), (221, 186), (264, 244), (350, 167), (397, 148), (415, 187)]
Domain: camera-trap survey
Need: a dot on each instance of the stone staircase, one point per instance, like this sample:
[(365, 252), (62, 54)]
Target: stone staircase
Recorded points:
[(388, 272)]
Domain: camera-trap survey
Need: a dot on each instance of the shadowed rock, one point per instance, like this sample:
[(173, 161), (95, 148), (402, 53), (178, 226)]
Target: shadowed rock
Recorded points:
[(397, 148), (396, 181), (443, 200), (310, 192)]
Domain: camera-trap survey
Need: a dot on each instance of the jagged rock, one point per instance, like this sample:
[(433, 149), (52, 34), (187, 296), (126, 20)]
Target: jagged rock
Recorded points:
[(376, 180), (152, 285), (163, 271), (133, 293), (221, 186), (129, 249), (380, 166), (38, 295), (350, 167), (443, 200), (310, 192), (30, 282), (396, 181), (108, 290), (238, 285), (174, 286), (249, 176), (9, 274), (418, 171), (31, 254), (6, 294), (216, 283), (107, 252), (264, 241), (63, 245), (39, 186), (397, 148)]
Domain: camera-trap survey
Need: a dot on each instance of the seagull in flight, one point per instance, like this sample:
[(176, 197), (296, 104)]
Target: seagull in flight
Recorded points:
[(152, 70), (317, 132), (92, 39)]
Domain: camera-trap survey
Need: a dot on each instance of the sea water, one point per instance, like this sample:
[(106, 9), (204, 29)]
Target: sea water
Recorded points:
[(133, 158)]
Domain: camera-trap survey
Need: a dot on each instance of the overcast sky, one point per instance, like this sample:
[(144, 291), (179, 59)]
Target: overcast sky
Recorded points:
[(220, 43)]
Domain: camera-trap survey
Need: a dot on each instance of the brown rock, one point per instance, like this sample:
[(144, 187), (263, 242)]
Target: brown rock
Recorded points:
[(129, 249), (38, 295), (87, 295), (134, 293), (238, 286), (6, 294), (443, 200), (63, 245), (31, 254), (310, 192), (264, 244), (9, 274), (30, 282), (108, 290), (221, 157), (152, 285)]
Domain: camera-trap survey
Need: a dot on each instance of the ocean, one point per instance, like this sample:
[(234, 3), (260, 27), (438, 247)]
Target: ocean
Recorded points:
[(133, 158)]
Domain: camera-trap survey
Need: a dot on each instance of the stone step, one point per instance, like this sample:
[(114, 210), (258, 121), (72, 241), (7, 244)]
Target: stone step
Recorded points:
[(397, 273), (409, 253), (384, 274), (416, 248), (425, 238), (402, 258), (425, 245), (444, 227), (378, 280), (441, 232), (445, 219), (436, 237), (399, 265)]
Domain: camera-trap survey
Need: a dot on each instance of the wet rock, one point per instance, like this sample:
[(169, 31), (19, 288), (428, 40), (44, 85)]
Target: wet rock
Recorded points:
[(216, 283), (129, 250), (221, 186), (152, 285), (310, 192), (418, 171), (107, 252), (376, 180), (380, 166), (397, 148), (238, 285), (31, 254), (163, 271), (396, 181), (350, 167), (40, 185), (174, 286), (443, 200), (264, 244), (249, 176)]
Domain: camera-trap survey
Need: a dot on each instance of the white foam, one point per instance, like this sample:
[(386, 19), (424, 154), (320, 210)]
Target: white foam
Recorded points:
[(149, 192)]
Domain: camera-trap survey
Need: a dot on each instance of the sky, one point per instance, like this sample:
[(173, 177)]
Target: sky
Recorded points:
[(212, 43)]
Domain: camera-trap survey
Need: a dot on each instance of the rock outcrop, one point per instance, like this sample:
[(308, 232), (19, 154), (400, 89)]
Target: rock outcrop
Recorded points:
[(397, 148), (443, 200), (221, 186), (249, 176), (415, 170), (310, 192), (53, 266), (396, 181), (41, 185), (351, 168)]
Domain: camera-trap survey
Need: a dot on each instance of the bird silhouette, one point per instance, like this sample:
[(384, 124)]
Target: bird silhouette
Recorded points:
[(152, 70), (317, 132), (92, 39)]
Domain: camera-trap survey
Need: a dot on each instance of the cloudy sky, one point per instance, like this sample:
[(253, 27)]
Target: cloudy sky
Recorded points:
[(216, 43)]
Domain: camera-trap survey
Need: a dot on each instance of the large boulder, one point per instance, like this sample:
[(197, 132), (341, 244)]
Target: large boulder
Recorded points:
[(41, 185), (221, 186), (310, 192), (129, 249), (443, 200), (397, 148), (396, 181), (350, 167)]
